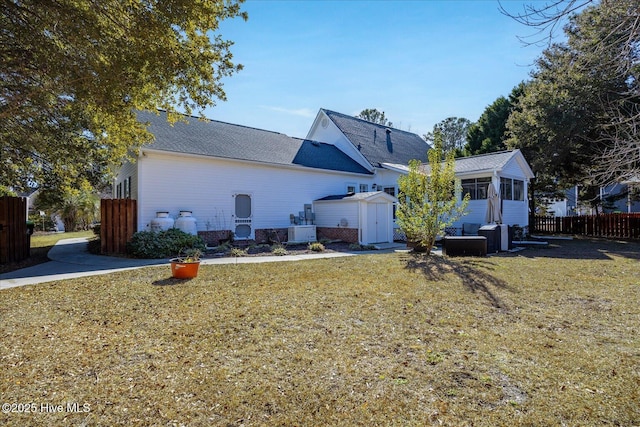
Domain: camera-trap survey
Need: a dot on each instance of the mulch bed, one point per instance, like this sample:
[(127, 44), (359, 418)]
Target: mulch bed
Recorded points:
[(297, 249)]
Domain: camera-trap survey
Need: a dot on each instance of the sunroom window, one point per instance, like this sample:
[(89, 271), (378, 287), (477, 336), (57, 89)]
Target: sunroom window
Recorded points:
[(476, 188)]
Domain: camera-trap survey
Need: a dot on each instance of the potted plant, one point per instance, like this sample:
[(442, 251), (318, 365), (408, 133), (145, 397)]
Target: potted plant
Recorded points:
[(186, 265)]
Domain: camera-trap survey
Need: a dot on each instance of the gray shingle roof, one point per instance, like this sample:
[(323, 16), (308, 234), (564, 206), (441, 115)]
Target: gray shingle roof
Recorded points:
[(473, 164), (376, 144), (491, 161), (225, 140)]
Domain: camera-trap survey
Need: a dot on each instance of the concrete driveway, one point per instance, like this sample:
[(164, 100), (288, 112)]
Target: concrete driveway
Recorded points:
[(69, 259)]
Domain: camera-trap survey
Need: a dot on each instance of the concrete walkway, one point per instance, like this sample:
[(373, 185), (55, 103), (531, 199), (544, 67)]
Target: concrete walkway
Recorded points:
[(70, 259)]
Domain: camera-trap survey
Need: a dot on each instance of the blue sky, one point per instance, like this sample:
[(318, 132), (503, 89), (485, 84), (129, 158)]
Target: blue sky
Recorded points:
[(418, 61)]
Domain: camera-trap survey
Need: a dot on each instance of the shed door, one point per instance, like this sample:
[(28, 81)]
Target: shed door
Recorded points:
[(377, 223), (243, 216)]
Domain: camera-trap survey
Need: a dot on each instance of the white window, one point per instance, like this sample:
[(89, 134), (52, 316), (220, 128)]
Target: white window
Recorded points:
[(351, 188), (476, 188), (127, 188), (364, 188), (506, 188), (390, 191), (511, 189), (518, 189)]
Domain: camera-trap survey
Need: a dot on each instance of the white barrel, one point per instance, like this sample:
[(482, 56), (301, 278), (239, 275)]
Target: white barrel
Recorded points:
[(186, 223), (161, 222)]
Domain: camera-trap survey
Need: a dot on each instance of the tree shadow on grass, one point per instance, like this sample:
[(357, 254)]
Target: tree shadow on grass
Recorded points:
[(474, 278), (583, 248)]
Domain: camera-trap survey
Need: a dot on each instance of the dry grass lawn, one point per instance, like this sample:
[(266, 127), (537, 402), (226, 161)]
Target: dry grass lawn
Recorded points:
[(542, 337)]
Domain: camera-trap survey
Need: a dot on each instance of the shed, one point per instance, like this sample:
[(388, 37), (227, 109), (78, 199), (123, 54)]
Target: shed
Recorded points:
[(370, 213)]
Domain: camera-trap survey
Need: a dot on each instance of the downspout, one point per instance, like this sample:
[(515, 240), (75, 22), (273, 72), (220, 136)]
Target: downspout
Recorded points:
[(360, 222)]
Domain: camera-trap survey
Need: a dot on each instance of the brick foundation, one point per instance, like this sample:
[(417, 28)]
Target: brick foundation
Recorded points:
[(271, 235), (213, 238), (349, 235)]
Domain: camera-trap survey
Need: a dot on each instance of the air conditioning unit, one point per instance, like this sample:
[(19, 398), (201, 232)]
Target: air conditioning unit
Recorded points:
[(302, 234)]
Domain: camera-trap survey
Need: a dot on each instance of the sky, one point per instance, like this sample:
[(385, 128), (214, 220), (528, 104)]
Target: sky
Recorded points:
[(419, 61)]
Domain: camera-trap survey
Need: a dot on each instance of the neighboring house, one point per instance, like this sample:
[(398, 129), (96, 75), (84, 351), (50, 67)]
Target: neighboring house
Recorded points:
[(31, 197), (615, 198), (31, 201), (620, 197), (558, 206), (254, 183)]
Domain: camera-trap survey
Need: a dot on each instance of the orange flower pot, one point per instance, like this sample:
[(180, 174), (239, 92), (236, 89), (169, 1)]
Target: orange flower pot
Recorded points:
[(184, 270)]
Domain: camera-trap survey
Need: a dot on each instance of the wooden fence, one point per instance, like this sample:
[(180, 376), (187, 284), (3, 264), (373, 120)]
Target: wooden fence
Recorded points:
[(14, 240), (118, 222), (621, 225)]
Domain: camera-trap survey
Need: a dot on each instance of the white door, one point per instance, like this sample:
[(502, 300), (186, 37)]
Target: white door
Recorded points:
[(377, 223), (242, 217)]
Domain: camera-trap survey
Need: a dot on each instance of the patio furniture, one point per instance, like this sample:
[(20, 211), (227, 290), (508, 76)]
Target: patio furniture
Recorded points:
[(464, 246)]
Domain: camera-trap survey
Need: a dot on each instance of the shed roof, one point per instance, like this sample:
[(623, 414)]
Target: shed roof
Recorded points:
[(378, 143), (354, 197), (224, 140)]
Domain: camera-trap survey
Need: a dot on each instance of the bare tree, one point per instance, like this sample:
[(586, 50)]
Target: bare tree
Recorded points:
[(547, 19), (610, 41), (620, 159)]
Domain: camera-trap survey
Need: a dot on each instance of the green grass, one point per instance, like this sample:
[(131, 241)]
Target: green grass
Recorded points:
[(41, 243), (541, 337)]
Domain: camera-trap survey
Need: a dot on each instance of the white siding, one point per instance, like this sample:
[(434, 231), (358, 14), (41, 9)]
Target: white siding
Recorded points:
[(329, 214), (477, 211), (206, 187), (512, 170), (515, 212), (386, 178), (127, 170)]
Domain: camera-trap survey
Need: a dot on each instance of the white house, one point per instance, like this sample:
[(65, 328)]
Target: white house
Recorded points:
[(251, 183), (621, 197)]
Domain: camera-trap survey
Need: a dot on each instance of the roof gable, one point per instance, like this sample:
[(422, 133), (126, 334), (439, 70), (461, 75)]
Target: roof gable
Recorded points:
[(224, 140), (378, 143)]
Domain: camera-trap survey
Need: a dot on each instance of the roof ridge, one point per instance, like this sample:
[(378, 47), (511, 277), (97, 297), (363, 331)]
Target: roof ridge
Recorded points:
[(223, 122), (369, 122), (486, 154)]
